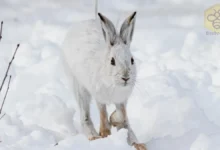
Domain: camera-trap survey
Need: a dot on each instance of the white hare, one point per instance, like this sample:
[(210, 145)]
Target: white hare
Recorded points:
[(103, 68)]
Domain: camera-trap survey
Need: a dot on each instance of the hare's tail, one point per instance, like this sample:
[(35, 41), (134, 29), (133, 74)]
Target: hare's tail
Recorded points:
[(96, 8)]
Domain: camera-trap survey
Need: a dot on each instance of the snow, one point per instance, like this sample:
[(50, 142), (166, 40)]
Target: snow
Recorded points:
[(176, 101)]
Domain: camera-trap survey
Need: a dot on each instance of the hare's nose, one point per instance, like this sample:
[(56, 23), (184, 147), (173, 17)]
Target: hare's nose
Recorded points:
[(125, 79)]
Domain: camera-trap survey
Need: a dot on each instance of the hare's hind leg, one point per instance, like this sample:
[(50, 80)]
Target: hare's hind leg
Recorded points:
[(83, 98), (119, 119), (105, 127)]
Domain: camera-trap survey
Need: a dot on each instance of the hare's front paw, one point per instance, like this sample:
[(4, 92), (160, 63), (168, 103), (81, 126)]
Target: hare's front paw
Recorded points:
[(92, 138), (139, 146), (90, 131), (104, 132)]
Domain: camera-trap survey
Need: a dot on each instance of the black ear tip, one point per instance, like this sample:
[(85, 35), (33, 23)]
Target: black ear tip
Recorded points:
[(134, 14), (132, 17), (101, 16)]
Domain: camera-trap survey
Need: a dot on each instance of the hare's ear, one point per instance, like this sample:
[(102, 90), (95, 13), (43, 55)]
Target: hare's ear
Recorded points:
[(108, 30), (127, 29)]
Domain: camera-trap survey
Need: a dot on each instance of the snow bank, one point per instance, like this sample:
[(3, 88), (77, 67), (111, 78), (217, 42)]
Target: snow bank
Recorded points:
[(175, 104)]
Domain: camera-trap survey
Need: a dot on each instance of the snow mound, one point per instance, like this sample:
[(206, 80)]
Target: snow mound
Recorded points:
[(175, 104)]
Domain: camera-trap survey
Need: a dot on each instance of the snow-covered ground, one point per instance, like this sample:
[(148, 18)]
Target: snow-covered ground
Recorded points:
[(175, 104)]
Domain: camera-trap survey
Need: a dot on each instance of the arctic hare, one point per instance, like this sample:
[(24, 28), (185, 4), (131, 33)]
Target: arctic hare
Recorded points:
[(103, 68)]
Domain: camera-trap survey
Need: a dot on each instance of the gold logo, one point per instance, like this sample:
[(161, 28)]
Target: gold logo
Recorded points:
[(212, 18)]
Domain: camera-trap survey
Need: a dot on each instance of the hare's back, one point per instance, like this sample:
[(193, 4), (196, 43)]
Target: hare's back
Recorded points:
[(82, 38), (81, 41), (81, 47)]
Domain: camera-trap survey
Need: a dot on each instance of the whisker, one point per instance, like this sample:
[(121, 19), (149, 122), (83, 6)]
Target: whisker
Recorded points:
[(141, 90)]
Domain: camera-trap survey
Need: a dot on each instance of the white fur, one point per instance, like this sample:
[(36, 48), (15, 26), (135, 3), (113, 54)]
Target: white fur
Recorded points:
[(88, 57)]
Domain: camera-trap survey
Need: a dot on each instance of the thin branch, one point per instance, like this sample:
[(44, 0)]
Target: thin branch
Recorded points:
[(56, 144), (9, 65), (1, 30), (5, 95), (2, 116)]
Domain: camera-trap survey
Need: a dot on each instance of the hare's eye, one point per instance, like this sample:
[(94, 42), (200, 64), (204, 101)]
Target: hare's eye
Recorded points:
[(113, 62), (112, 43), (132, 61)]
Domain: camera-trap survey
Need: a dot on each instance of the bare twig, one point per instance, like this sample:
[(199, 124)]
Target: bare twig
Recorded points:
[(9, 65), (2, 116), (1, 30), (5, 95), (56, 144)]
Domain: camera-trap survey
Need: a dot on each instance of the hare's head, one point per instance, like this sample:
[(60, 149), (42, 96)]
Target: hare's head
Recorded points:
[(119, 62)]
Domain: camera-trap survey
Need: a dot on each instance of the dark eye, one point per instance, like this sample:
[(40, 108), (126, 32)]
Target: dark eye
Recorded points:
[(112, 43), (113, 62), (132, 61)]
